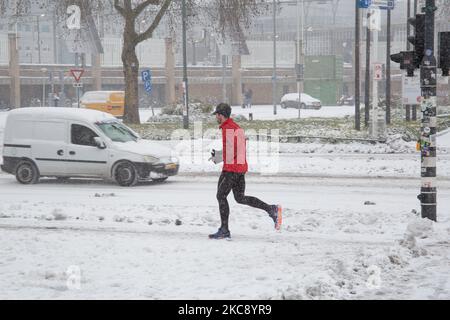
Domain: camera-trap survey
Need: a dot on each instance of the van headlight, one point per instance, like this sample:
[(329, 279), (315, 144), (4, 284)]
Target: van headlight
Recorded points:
[(150, 159)]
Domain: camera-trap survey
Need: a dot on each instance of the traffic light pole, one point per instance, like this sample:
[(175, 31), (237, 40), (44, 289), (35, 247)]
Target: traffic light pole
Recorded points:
[(428, 77), (185, 74), (375, 87)]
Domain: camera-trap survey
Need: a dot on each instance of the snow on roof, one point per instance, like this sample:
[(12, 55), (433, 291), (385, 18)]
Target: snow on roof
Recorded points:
[(60, 113)]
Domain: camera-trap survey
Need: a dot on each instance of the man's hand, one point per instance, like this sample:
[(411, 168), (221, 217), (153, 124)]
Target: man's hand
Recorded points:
[(216, 156)]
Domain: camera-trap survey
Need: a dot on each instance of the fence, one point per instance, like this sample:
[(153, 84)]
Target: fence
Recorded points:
[(261, 54)]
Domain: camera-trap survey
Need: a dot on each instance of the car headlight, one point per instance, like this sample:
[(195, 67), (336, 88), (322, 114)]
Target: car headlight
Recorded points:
[(170, 160), (150, 159)]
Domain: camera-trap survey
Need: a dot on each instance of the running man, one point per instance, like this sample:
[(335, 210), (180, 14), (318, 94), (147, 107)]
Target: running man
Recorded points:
[(233, 174)]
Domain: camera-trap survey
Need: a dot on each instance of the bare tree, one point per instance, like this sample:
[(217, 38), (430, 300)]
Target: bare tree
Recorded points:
[(225, 16)]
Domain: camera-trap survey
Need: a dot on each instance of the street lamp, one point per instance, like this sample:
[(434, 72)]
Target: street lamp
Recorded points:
[(39, 36), (185, 75), (300, 51), (44, 72), (274, 76)]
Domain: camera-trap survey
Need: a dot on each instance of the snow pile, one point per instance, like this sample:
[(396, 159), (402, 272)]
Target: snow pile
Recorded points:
[(174, 113)]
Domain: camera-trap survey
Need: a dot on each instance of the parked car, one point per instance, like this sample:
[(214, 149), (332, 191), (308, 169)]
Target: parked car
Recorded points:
[(346, 101), (112, 102), (67, 142), (291, 100)]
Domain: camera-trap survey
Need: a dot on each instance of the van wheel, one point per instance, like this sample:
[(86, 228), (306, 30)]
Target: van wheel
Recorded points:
[(125, 174), (27, 173)]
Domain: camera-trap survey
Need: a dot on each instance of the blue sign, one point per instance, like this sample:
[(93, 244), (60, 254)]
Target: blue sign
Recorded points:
[(365, 3), (383, 4), (147, 79), (146, 75), (148, 87), (380, 4)]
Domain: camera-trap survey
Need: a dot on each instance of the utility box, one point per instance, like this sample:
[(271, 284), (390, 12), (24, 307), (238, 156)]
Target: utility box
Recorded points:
[(324, 78)]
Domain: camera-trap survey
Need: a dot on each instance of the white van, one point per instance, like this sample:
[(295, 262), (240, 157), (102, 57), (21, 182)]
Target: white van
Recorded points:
[(66, 142)]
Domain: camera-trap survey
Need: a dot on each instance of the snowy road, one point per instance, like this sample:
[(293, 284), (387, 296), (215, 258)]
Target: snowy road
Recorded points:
[(126, 243)]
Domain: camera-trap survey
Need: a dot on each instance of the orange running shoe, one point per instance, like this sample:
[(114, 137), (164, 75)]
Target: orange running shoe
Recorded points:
[(277, 216)]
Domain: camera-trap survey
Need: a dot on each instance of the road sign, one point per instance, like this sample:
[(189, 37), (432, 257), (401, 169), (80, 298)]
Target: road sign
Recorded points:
[(383, 4), (411, 90), (78, 85), (374, 19), (77, 74), (147, 79), (364, 3), (148, 87), (378, 71), (146, 75), (300, 71)]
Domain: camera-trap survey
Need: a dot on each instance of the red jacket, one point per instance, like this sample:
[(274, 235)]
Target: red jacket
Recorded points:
[(234, 147)]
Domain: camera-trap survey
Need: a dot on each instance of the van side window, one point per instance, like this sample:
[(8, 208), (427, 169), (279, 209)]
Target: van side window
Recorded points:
[(82, 135)]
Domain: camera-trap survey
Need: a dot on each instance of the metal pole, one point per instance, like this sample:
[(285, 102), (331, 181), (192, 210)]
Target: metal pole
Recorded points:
[(43, 92), (55, 48), (357, 66), (224, 76), (388, 68), (408, 48), (77, 63), (185, 75), (414, 107), (78, 97), (274, 76), (39, 39), (367, 81), (298, 55), (375, 85), (428, 75), (51, 99), (300, 52)]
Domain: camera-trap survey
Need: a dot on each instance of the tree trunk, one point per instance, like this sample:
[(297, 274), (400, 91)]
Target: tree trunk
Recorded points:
[(131, 74)]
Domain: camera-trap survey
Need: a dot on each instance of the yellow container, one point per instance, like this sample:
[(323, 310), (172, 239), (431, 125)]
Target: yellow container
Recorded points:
[(112, 102)]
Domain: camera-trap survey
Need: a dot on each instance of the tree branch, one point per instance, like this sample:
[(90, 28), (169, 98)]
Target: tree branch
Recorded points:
[(119, 9), (138, 10), (149, 32)]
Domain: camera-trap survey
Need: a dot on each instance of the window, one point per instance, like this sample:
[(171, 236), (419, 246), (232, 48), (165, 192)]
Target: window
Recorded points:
[(82, 135), (117, 132)]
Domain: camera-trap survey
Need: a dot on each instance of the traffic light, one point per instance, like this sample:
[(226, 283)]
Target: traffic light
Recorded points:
[(418, 39), (444, 53), (406, 60)]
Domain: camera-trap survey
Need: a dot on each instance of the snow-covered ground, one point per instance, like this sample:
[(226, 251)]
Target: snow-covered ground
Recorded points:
[(347, 232), (265, 112), (397, 158), (124, 243)]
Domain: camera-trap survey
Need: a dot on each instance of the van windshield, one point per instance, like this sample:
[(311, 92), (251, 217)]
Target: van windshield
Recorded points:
[(117, 132)]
